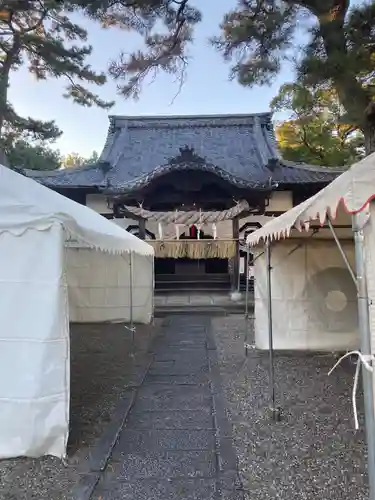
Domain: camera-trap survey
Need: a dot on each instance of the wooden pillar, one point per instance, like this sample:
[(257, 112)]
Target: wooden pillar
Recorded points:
[(235, 267), (142, 229)]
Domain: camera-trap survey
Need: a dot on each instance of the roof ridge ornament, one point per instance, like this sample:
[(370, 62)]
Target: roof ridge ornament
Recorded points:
[(187, 155), (273, 164), (104, 166)]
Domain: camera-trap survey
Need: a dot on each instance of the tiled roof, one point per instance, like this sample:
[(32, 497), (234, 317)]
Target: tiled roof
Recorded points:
[(86, 176), (287, 172), (239, 148)]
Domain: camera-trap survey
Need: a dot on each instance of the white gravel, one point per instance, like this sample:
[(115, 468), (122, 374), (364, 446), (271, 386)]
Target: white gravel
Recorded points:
[(314, 451)]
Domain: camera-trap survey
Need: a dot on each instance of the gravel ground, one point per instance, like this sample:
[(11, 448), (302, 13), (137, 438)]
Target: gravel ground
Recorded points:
[(314, 451), (104, 363)]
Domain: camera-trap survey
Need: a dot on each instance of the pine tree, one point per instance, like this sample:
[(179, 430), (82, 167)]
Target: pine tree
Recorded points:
[(260, 35), (42, 35), (336, 47), (23, 154), (166, 27)]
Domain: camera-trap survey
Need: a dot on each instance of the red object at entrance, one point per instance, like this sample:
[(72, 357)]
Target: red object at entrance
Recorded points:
[(193, 232)]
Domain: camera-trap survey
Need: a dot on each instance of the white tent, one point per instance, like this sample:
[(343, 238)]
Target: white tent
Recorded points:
[(354, 190), (58, 261), (350, 196), (351, 193)]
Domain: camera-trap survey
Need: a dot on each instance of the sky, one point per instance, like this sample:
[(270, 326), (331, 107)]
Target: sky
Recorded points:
[(207, 89)]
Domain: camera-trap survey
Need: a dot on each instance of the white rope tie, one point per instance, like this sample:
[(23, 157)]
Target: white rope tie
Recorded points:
[(249, 346), (199, 227), (131, 329), (365, 360)]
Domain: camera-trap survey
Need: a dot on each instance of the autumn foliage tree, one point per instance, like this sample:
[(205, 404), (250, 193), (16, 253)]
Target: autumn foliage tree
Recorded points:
[(73, 160), (315, 131)]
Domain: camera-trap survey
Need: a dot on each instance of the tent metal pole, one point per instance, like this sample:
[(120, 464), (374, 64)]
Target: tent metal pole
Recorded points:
[(274, 410), (131, 295), (343, 254), (247, 302), (365, 337), (239, 269), (153, 289)]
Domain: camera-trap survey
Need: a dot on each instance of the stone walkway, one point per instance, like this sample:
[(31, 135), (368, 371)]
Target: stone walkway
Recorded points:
[(176, 442)]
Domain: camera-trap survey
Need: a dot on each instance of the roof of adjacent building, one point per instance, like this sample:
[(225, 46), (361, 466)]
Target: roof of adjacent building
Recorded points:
[(239, 148)]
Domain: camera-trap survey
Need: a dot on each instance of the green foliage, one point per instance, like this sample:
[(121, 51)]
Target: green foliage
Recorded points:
[(166, 27), (316, 131), (30, 149), (258, 37), (36, 157), (42, 35)]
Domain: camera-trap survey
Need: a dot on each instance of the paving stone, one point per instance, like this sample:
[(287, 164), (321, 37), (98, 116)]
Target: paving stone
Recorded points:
[(195, 361), (162, 397), (182, 342), (192, 363), (179, 351), (176, 342), (173, 360), (163, 364), (201, 419), (195, 379), (167, 465), (185, 368), (151, 489), (132, 441)]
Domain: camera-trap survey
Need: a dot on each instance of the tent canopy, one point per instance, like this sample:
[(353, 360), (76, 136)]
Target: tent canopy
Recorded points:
[(51, 272), (25, 204), (354, 189)]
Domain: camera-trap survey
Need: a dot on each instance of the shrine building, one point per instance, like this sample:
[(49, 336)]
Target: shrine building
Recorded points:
[(194, 186)]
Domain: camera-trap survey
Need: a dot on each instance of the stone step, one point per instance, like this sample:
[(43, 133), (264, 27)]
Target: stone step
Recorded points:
[(211, 310), (221, 277), (191, 287)]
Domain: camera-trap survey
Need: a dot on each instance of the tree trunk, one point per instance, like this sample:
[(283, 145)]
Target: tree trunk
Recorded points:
[(369, 133), (4, 78)]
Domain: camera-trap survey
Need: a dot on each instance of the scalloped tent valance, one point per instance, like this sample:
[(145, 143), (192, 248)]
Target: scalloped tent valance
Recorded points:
[(24, 204), (354, 189)]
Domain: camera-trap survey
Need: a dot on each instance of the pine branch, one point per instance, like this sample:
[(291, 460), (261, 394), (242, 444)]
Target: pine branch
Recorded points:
[(164, 52), (42, 34)]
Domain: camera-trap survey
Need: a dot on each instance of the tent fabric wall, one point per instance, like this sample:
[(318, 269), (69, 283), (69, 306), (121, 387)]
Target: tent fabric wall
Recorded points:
[(34, 344), (35, 225), (99, 286), (369, 241), (296, 324)]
